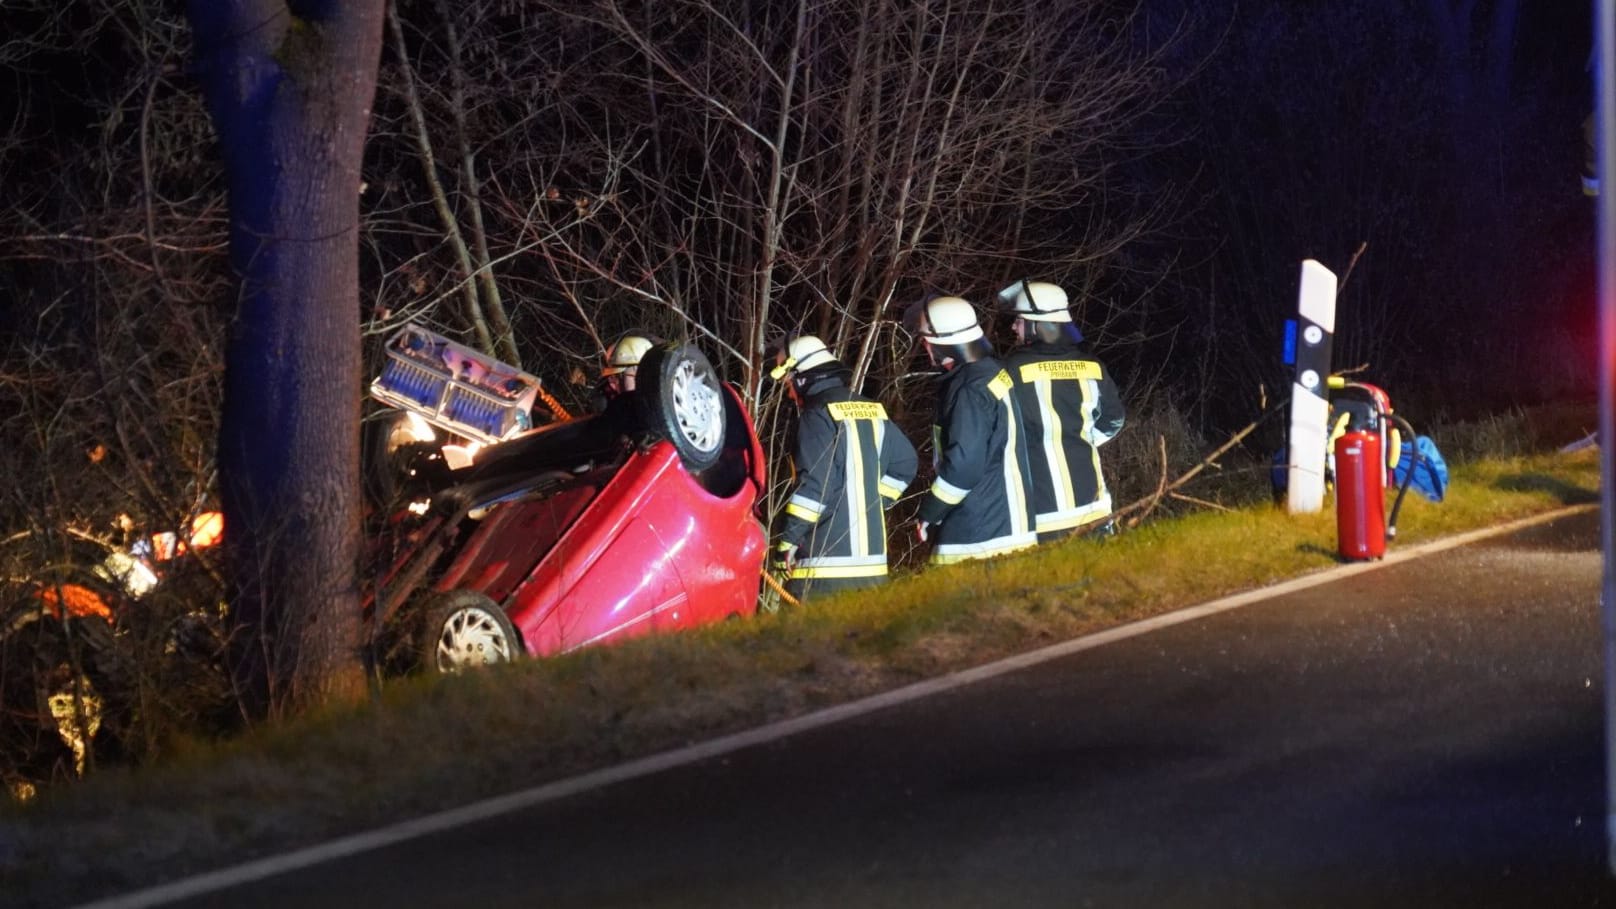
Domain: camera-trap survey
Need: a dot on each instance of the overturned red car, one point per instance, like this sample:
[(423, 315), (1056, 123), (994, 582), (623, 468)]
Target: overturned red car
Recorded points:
[(636, 519)]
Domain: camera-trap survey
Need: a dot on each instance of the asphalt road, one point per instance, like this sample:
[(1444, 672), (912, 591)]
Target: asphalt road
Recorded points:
[(1424, 735)]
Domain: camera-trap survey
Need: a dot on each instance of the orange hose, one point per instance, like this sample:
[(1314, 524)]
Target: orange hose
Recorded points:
[(554, 405), (780, 589)]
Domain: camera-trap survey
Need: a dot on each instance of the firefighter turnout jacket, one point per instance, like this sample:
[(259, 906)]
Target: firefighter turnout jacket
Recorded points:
[(979, 500), (851, 464), (1070, 407)]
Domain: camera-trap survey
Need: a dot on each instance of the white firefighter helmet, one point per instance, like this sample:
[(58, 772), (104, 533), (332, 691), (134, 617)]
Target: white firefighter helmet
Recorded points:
[(800, 354), (948, 321), (1036, 301), (625, 355)]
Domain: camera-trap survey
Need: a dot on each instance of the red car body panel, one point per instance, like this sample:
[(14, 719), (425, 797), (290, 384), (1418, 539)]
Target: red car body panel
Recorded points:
[(610, 553)]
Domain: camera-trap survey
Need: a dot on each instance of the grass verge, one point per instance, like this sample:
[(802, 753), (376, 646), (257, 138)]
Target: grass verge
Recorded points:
[(425, 744)]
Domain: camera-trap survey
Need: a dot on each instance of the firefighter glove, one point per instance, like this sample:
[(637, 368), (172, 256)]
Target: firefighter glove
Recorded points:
[(785, 556)]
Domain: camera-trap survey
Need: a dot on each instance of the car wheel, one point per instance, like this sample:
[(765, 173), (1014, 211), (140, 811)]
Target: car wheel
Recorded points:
[(683, 402), (398, 462), (465, 630)]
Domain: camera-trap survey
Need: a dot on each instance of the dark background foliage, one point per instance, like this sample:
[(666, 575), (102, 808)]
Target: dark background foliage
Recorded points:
[(542, 177), (732, 172)]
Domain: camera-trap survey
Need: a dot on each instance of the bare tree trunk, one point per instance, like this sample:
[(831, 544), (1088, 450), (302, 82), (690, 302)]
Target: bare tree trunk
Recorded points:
[(493, 303), (290, 96), (440, 200), (773, 219)]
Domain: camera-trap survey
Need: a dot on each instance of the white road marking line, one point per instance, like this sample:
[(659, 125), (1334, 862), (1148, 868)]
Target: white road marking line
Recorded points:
[(259, 869)]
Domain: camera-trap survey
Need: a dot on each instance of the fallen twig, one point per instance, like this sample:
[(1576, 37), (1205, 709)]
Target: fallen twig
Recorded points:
[(1202, 502), (1148, 504)]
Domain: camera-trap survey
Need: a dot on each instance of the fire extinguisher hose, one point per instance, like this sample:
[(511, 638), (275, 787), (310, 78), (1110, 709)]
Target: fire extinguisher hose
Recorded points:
[(780, 589), (1408, 477)]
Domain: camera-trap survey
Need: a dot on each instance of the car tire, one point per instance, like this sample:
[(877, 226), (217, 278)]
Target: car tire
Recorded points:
[(682, 400), (396, 465), (462, 630)]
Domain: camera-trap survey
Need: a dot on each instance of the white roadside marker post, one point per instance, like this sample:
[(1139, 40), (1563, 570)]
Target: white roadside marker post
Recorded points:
[(1310, 403)]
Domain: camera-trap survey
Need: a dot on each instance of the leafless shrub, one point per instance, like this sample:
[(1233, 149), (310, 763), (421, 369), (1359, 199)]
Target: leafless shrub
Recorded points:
[(541, 179), (111, 258)]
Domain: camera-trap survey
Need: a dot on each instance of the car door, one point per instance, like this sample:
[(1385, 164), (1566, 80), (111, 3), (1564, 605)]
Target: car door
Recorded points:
[(614, 574)]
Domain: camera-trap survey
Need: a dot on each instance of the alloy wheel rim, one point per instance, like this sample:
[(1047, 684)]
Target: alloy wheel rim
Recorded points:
[(471, 638), (697, 407)]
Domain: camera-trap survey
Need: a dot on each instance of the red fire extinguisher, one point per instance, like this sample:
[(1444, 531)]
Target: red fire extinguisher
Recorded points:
[(1360, 495)]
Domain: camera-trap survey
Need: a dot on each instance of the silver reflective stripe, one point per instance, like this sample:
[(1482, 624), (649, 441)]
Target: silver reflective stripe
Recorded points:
[(807, 504), (1059, 479), (1016, 491), (1071, 517), (858, 561), (957, 552), (853, 487), (1091, 431), (948, 492)]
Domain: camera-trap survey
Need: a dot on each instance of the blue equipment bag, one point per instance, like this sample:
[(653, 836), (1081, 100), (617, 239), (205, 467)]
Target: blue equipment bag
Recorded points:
[(1431, 478)]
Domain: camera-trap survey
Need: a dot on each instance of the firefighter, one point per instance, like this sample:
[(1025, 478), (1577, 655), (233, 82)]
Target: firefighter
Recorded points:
[(850, 464), (622, 363), (619, 368), (1069, 405), (980, 503)]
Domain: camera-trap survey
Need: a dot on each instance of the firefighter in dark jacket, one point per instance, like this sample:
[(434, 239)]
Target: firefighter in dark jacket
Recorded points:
[(980, 503), (850, 462), (1069, 405)]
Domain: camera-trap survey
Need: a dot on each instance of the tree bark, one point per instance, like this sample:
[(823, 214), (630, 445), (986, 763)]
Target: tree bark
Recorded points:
[(289, 85)]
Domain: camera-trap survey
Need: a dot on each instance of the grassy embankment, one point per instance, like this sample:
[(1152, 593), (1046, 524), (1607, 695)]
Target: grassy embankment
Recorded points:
[(425, 744)]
